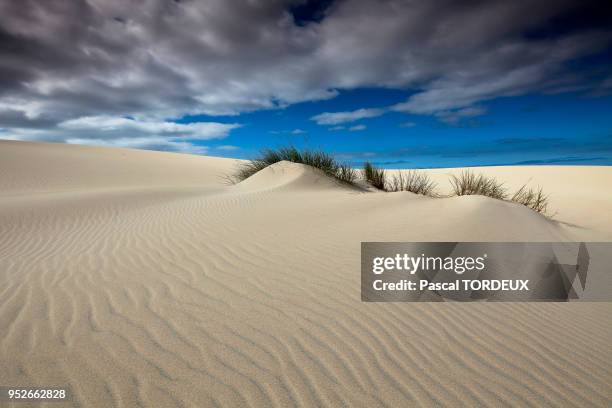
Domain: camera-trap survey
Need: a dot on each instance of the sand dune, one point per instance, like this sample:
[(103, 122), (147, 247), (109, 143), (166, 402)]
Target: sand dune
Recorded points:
[(141, 279)]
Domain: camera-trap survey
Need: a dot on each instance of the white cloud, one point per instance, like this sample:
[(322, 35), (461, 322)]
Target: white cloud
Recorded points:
[(334, 118), (357, 128), (117, 127), (126, 132), (407, 124), (453, 117), (335, 128), (227, 147), (287, 132)]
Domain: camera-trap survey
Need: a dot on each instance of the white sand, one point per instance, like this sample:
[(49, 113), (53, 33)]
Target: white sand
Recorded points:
[(138, 277)]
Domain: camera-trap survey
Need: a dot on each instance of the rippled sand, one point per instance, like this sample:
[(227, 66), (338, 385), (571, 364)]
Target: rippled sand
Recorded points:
[(140, 278)]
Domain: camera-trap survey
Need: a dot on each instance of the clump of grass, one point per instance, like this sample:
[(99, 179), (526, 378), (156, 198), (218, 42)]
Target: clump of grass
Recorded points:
[(532, 198), (317, 159), (414, 181), (468, 183), (346, 174), (375, 176)]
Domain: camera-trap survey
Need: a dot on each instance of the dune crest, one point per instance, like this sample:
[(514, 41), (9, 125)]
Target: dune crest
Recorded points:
[(286, 175)]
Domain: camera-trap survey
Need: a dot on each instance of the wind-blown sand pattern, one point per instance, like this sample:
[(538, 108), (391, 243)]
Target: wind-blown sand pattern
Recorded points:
[(141, 279)]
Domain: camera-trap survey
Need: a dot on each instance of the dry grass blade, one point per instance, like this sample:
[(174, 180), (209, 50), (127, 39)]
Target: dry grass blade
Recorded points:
[(375, 176), (413, 181), (468, 183), (346, 174), (532, 198)]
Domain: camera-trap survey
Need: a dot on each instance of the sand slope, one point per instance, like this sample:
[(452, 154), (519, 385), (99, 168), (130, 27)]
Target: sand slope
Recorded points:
[(139, 278)]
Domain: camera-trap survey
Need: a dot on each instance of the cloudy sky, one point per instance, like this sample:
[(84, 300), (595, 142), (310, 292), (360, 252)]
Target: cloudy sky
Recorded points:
[(397, 82)]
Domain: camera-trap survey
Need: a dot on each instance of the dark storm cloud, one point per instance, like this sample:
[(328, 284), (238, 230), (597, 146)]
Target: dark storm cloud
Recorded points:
[(159, 59)]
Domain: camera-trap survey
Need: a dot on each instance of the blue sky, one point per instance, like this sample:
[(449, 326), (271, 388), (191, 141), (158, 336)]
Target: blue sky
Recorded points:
[(402, 84), (567, 128)]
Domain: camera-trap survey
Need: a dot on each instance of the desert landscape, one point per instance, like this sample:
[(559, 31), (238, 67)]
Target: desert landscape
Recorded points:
[(141, 278)]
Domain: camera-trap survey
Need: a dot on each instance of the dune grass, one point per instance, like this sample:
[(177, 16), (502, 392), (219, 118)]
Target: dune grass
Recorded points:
[(414, 181), (375, 176), (346, 173), (317, 159), (468, 183), (531, 198)]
